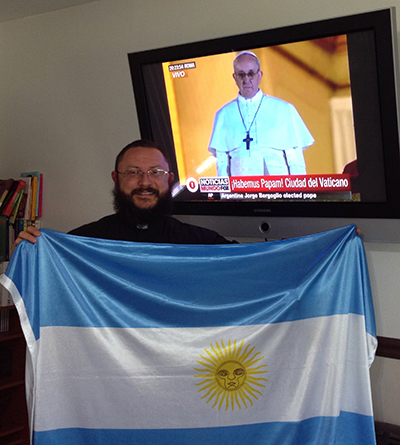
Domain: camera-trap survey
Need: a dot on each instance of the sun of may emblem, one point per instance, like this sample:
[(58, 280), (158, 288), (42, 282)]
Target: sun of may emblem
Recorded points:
[(230, 375)]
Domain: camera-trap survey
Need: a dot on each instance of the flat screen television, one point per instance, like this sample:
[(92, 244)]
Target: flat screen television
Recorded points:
[(339, 75)]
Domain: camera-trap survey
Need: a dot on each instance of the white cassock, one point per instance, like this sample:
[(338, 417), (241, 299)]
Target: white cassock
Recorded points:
[(278, 135)]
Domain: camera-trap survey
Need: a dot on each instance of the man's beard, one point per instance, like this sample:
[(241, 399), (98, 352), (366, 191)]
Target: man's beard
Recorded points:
[(124, 206)]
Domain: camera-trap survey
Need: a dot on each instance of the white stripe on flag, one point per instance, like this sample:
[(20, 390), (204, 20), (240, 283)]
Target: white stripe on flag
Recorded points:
[(145, 378)]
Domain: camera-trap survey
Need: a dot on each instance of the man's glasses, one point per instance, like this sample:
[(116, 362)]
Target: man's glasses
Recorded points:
[(250, 75), (154, 173)]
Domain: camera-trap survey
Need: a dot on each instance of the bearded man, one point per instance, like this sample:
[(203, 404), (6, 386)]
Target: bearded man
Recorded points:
[(142, 204)]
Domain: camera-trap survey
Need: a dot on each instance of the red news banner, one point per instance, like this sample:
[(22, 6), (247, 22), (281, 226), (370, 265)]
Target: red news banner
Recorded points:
[(272, 184)]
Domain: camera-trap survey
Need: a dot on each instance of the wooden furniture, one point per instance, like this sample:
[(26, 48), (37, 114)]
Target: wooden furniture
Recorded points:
[(14, 427)]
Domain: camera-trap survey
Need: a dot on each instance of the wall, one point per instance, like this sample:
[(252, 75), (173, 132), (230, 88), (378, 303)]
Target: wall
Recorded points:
[(67, 108)]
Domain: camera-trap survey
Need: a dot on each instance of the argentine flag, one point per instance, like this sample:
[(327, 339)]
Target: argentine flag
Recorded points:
[(134, 343)]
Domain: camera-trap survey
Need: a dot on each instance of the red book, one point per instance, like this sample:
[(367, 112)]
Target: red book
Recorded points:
[(8, 195), (7, 210), (4, 189)]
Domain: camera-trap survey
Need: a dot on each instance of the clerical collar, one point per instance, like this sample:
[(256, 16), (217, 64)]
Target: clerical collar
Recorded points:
[(253, 100)]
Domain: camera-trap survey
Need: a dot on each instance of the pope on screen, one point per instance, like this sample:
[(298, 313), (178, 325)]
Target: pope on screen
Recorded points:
[(257, 134)]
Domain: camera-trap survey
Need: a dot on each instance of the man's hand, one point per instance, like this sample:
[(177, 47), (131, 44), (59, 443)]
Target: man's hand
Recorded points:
[(30, 235)]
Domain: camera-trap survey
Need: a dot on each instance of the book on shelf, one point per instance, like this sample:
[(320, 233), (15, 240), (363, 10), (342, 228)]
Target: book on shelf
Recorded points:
[(10, 194), (16, 206), (5, 301), (5, 185), (20, 207), (5, 296), (3, 238), (20, 211), (37, 191), (12, 198), (24, 211), (34, 195), (4, 321), (6, 238)]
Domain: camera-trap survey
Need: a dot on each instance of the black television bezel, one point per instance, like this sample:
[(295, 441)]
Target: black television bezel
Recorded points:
[(382, 22)]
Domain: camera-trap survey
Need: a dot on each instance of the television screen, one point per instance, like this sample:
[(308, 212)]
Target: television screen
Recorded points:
[(296, 122)]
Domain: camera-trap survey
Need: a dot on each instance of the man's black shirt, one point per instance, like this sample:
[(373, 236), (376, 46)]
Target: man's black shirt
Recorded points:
[(165, 230)]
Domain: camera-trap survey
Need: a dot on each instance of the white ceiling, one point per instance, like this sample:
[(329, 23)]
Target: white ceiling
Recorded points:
[(17, 9)]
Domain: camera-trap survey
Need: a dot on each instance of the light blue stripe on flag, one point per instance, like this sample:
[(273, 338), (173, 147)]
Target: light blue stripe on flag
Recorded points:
[(178, 285), (346, 429), (140, 343)]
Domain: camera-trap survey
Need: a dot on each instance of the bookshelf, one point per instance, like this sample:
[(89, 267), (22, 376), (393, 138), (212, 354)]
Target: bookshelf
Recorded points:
[(20, 206), (14, 427)]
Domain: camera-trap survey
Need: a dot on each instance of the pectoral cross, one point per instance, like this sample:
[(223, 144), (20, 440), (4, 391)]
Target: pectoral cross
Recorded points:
[(248, 140)]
